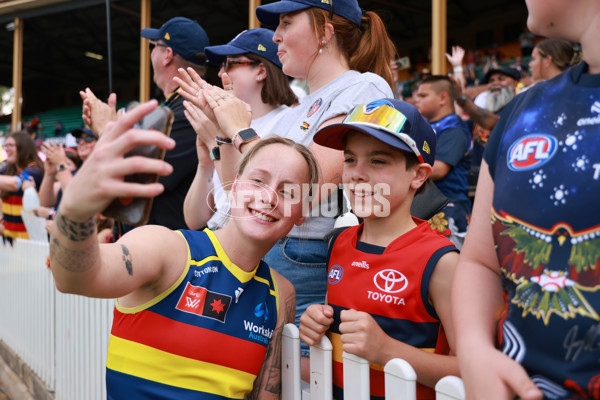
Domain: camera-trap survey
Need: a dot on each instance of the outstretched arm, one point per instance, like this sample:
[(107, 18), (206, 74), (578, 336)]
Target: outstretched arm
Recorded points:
[(79, 264), (267, 384), (477, 303)]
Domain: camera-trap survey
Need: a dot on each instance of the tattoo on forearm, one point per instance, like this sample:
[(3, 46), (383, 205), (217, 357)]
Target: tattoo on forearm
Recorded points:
[(127, 259), (73, 230), (486, 119), (72, 260)]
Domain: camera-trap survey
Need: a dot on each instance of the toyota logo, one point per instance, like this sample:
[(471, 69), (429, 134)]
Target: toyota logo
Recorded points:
[(390, 281)]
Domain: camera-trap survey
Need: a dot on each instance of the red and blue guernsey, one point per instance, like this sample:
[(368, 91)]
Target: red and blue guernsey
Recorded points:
[(203, 338), (392, 284), (544, 157)]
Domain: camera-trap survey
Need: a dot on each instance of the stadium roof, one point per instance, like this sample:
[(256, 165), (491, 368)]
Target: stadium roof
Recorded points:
[(58, 33)]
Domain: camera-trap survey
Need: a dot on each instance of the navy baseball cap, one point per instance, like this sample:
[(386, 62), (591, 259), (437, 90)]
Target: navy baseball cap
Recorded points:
[(268, 14), (78, 132), (258, 41), (393, 122), (510, 72), (184, 36)]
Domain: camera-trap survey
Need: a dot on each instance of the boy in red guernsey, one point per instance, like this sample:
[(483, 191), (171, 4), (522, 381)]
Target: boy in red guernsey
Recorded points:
[(389, 278)]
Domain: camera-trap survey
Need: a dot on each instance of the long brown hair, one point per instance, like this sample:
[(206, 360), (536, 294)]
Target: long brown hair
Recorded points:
[(276, 89), (26, 155), (562, 52), (367, 49)]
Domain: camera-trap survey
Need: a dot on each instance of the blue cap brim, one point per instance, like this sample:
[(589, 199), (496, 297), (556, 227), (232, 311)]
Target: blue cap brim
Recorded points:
[(332, 136), (268, 14), (217, 54), (150, 33)]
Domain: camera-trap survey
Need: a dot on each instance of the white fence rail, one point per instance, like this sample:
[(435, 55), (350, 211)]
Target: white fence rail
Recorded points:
[(400, 377), (62, 338)]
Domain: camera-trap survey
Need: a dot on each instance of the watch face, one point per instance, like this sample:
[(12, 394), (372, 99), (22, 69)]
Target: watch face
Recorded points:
[(247, 134)]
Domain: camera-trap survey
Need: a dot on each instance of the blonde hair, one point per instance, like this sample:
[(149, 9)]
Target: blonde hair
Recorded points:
[(311, 162)]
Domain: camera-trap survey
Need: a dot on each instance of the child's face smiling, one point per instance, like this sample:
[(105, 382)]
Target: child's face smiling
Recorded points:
[(375, 177)]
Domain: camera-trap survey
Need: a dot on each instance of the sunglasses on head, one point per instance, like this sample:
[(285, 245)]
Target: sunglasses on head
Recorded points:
[(385, 118), (154, 43), (230, 62), (86, 139)]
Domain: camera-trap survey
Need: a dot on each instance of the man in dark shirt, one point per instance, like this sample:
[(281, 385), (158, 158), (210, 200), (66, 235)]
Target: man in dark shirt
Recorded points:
[(178, 43)]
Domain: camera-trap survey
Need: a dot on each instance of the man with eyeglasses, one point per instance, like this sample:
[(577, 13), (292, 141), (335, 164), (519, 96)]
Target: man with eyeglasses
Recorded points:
[(178, 43)]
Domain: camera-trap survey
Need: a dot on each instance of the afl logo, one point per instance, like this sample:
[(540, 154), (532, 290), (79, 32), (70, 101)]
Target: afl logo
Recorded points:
[(390, 281), (531, 151), (335, 274)]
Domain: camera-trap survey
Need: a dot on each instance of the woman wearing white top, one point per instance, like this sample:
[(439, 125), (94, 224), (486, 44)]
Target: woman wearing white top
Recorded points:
[(344, 55)]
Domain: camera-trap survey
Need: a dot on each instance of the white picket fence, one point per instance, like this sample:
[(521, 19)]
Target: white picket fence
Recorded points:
[(400, 377), (64, 338)]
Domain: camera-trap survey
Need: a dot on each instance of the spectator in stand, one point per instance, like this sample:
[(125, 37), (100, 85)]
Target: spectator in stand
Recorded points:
[(527, 41), (435, 101), (179, 331), (58, 173), (59, 167), (344, 54), (59, 129), (178, 43), (484, 110), (550, 57), (250, 63), (526, 294), (22, 164)]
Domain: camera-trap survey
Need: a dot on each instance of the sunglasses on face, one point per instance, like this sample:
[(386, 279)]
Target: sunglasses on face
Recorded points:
[(385, 118), (86, 139), (154, 43), (229, 63)]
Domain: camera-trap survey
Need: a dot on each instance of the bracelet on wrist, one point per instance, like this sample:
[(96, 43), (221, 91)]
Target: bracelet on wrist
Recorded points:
[(223, 140), (461, 100), (458, 68)]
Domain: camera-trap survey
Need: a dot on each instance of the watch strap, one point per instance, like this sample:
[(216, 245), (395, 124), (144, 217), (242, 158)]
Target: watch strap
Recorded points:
[(215, 153), (244, 136)]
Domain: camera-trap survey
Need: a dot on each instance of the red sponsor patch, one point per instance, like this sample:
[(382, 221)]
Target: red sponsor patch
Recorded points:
[(201, 301)]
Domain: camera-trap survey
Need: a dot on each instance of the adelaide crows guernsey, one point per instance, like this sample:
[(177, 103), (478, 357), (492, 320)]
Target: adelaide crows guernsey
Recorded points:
[(544, 158), (203, 338), (391, 284)]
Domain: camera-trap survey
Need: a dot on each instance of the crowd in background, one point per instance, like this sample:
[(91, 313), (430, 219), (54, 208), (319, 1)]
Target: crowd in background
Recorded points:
[(345, 129)]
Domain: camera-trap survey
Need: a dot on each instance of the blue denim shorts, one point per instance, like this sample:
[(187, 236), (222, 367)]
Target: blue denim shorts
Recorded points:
[(304, 263)]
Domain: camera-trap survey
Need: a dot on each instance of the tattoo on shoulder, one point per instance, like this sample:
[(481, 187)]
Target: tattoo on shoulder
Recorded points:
[(76, 231), (127, 259)]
